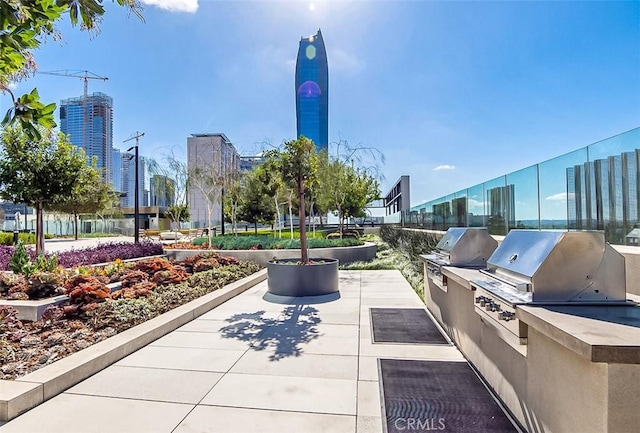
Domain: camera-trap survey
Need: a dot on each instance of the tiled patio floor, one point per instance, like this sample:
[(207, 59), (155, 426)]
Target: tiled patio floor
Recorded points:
[(250, 365)]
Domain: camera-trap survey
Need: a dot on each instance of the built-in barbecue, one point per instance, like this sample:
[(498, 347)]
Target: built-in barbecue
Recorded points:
[(463, 247), (535, 267)]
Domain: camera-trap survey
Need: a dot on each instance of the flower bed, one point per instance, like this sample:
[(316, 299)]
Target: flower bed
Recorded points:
[(92, 314), (103, 253)]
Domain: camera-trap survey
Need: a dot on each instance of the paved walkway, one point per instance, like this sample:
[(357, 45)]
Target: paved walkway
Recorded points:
[(249, 365), (54, 245)]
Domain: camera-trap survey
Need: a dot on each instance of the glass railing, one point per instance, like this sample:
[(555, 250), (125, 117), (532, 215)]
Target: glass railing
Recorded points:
[(596, 187)]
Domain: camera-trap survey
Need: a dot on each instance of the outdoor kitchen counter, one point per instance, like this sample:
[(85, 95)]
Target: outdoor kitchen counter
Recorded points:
[(461, 276), (600, 334)]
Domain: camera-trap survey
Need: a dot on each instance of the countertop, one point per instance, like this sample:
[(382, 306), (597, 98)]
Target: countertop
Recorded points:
[(599, 333)]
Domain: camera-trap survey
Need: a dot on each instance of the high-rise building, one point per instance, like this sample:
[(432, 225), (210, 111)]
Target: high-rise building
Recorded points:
[(211, 158), (162, 191), (127, 199), (312, 91), (116, 170), (93, 132)]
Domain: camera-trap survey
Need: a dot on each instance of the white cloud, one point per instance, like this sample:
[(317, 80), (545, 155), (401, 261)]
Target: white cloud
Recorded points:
[(13, 85), (445, 167), (190, 6), (561, 196)]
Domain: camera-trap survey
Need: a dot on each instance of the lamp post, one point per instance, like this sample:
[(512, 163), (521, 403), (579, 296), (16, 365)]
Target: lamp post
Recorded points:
[(136, 200)]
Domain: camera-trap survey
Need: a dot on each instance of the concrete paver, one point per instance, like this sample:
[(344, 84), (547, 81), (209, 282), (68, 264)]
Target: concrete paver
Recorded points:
[(72, 413), (149, 384), (254, 364), (315, 395), (214, 419)]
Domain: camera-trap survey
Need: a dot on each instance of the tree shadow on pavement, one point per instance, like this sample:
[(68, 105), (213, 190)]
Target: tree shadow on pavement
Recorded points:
[(285, 335)]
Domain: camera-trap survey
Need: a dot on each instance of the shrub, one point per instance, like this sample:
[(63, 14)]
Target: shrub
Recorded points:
[(271, 243), (26, 238)]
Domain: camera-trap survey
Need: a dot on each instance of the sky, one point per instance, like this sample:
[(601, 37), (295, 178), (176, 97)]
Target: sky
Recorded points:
[(451, 93)]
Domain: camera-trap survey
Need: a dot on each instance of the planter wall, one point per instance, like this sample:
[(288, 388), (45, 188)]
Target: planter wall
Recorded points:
[(360, 253), (288, 278)]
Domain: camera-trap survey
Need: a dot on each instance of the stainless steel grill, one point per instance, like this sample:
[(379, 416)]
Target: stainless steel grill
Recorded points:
[(462, 247), (548, 268)]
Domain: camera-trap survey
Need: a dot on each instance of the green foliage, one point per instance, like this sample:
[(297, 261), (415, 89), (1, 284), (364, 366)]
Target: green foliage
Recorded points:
[(407, 245), (178, 213), (89, 194), (37, 172), (25, 238), (297, 164), (269, 242), (255, 204), (124, 313), (23, 25), (20, 261)]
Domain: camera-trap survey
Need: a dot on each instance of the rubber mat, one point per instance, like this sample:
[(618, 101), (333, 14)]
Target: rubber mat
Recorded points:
[(438, 396), (405, 325)]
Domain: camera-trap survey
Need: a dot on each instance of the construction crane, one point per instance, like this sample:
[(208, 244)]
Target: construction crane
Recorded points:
[(86, 76)]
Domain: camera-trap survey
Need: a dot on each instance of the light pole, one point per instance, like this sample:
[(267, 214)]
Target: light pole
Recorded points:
[(136, 200)]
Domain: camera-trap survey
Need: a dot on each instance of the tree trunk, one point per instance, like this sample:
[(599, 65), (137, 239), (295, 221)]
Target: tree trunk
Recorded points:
[(303, 228), (255, 227), (75, 226), (290, 216), (39, 229)]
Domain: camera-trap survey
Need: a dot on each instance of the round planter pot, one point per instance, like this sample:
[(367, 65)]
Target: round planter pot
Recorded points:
[(286, 278)]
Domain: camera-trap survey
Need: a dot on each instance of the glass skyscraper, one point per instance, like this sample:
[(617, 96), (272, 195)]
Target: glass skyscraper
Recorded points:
[(312, 91), (98, 129)]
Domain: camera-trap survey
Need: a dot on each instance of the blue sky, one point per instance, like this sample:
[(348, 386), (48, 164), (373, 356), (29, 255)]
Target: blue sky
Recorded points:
[(452, 93)]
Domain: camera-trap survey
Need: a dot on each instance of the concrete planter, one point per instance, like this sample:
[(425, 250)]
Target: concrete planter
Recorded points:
[(359, 253), (286, 278)]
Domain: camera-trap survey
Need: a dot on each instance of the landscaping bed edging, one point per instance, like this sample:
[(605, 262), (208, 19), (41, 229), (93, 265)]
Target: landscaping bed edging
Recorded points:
[(20, 395), (358, 253)]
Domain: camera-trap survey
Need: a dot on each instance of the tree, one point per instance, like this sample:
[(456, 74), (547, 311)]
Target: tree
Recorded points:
[(38, 171), (255, 206), (362, 190), (272, 186), (233, 192), (170, 179), (90, 194), (177, 213), (23, 25), (298, 162), (346, 190), (111, 208), (207, 178)]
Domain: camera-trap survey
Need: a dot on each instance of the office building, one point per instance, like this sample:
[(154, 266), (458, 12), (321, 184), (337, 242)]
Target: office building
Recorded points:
[(249, 163), (162, 191), (92, 129), (127, 198), (211, 158), (312, 91)]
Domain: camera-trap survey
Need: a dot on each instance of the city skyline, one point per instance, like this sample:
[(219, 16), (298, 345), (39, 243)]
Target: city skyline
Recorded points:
[(524, 82)]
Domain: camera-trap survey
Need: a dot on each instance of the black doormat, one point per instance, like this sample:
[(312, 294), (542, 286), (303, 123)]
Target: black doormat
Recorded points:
[(438, 396), (404, 325)]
